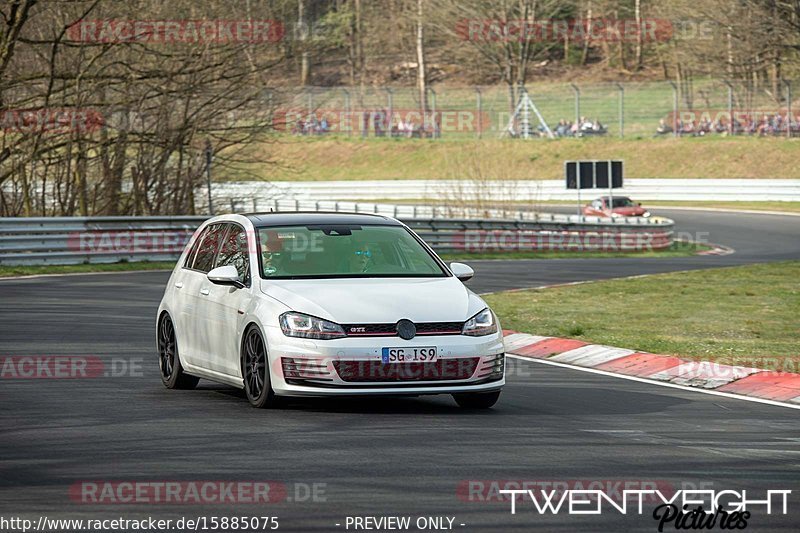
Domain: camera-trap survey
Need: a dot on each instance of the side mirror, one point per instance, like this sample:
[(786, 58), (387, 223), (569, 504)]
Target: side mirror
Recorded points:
[(225, 275), (462, 271)]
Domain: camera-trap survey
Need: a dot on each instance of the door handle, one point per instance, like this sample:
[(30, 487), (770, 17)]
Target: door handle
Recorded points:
[(179, 285), (205, 292)]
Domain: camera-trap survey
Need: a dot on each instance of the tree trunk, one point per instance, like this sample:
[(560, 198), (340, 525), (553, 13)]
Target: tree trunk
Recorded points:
[(639, 34), (421, 79), (360, 62), (585, 55), (18, 15), (303, 33)]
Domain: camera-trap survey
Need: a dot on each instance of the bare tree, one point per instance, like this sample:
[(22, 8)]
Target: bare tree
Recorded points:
[(500, 37), (422, 86)]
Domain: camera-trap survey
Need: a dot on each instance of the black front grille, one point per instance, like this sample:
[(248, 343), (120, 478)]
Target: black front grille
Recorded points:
[(390, 330), (440, 328)]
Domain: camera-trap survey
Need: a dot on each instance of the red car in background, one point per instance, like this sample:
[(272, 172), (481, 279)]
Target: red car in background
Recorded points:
[(621, 206)]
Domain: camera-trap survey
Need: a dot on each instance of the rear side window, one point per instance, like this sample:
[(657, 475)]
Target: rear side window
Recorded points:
[(207, 250), (234, 252)]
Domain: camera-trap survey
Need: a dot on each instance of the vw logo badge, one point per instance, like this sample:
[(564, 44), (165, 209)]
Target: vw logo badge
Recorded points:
[(406, 329)]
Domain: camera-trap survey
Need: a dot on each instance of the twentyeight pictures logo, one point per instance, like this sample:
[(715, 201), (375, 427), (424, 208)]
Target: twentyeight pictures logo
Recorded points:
[(683, 509), (176, 31)]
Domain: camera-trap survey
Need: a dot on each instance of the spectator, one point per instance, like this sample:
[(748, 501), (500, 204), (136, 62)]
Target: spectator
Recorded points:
[(663, 128)]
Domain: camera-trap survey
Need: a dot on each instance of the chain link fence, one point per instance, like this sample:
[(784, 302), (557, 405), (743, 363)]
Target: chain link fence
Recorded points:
[(631, 109)]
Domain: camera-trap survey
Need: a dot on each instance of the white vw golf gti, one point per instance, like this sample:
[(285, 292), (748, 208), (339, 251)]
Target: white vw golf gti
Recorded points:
[(324, 304)]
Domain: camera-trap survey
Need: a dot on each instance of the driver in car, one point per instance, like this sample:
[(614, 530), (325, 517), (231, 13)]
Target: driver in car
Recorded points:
[(362, 259), (271, 254)]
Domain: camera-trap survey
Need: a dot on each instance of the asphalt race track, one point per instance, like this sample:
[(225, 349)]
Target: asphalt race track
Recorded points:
[(378, 457), (756, 239)]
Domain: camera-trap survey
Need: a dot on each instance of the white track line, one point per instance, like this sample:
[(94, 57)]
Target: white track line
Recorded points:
[(727, 210), (659, 383), (54, 275)]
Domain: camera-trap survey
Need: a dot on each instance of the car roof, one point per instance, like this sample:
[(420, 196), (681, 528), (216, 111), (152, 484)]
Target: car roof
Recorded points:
[(302, 218), (615, 197)]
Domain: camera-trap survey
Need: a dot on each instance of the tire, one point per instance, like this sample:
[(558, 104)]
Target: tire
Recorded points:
[(169, 363), (255, 371), (477, 400)]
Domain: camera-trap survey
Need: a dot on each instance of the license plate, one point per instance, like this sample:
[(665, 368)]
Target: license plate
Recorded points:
[(421, 354)]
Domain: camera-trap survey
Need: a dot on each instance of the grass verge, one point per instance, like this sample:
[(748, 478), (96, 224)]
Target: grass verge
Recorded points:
[(342, 158), (739, 315), (545, 206), (6, 271)]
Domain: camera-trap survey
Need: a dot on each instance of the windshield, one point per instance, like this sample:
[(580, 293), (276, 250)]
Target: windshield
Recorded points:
[(332, 251), (623, 202)]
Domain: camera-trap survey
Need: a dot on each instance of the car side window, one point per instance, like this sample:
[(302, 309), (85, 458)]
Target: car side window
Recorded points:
[(193, 252), (204, 261), (234, 252)]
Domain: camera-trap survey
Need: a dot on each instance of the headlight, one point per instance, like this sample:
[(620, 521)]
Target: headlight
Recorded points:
[(646, 214), (309, 327), (481, 324)]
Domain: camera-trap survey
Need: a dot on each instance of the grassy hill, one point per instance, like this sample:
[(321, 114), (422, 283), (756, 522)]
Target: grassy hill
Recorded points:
[(344, 158)]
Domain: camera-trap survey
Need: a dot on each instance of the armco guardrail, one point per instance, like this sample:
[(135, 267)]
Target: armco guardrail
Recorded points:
[(74, 240), (650, 190)]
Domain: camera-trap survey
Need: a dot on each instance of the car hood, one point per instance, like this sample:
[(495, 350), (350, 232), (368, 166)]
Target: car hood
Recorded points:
[(377, 300)]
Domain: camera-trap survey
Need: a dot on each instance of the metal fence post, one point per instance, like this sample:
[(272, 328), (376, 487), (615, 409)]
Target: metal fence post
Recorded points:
[(432, 100), (577, 92), (674, 108), (390, 109), (730, 106), (346, 114), (479, 106), (788, 108), (621, 110)]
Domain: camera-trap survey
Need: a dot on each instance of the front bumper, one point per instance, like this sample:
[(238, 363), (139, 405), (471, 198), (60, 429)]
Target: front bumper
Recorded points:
[(352, 366)]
